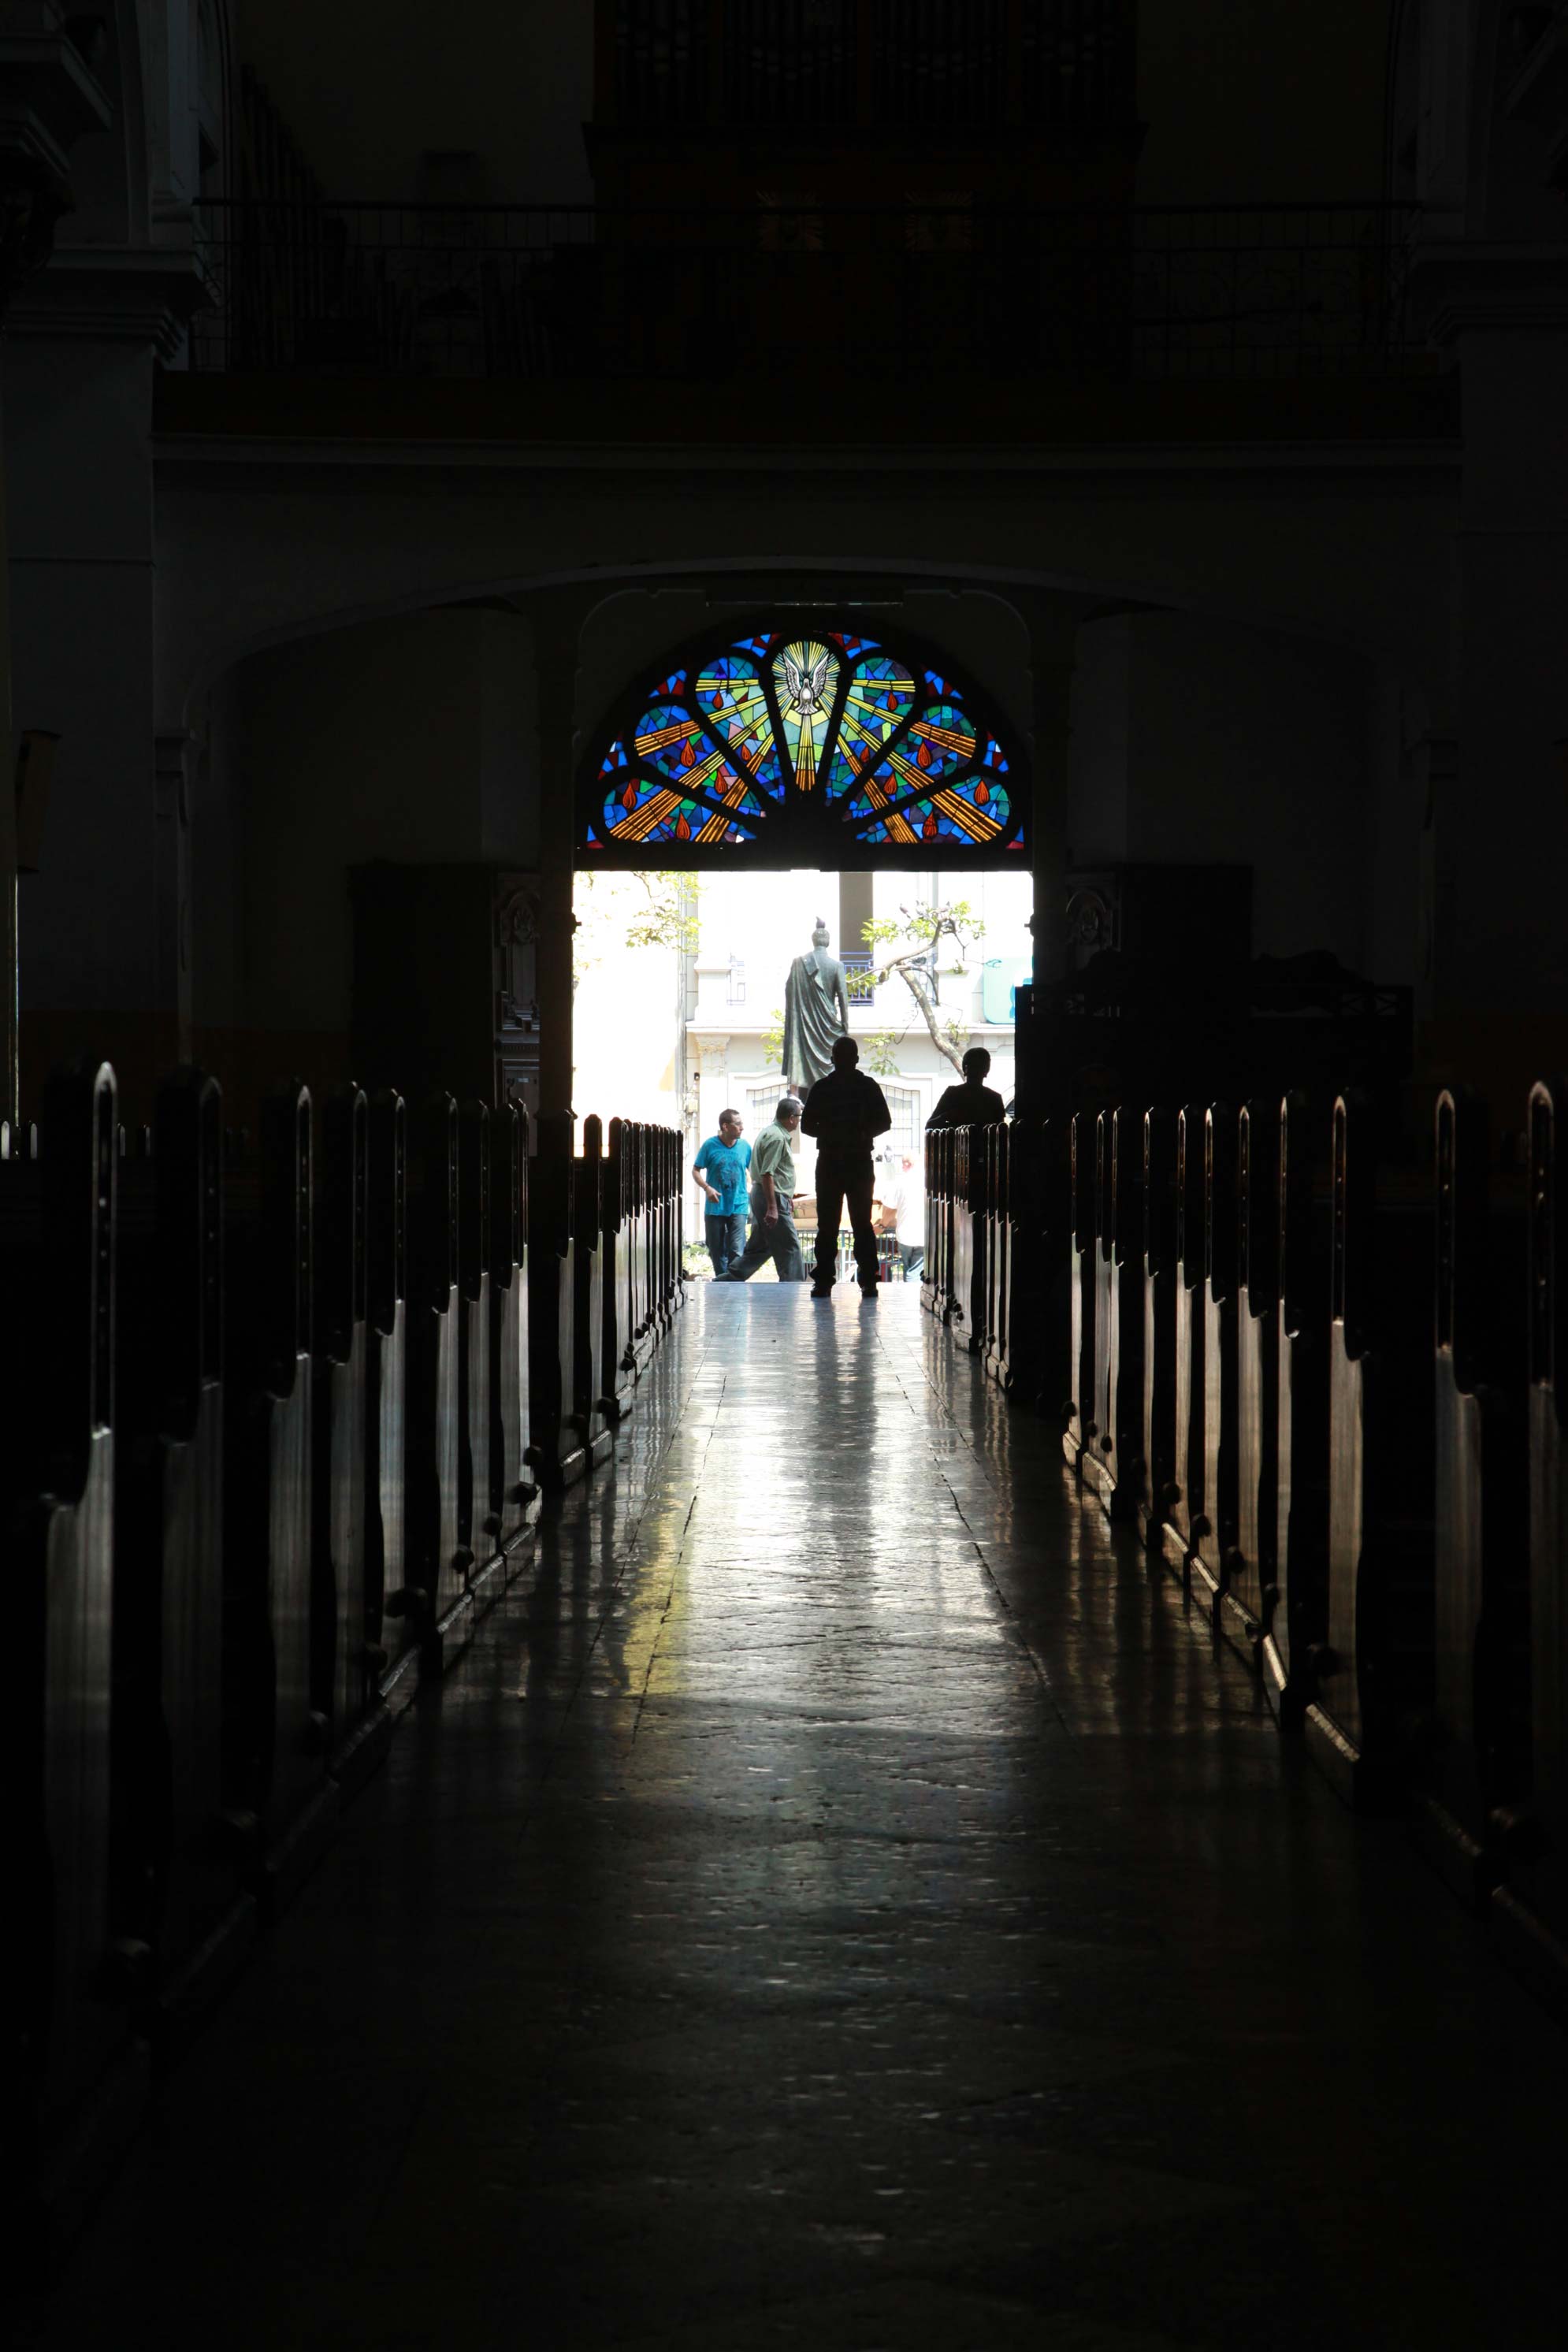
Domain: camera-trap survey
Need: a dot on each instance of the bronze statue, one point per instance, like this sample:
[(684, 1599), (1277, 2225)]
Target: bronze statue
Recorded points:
[(816, 1011)]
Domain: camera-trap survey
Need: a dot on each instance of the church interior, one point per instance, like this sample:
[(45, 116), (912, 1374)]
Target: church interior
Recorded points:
[(1027, 1804)]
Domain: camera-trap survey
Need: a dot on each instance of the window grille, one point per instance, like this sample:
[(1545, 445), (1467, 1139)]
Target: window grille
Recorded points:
[(908, 1127)]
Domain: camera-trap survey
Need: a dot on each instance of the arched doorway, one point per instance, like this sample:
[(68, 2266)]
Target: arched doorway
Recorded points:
[(803, 747)]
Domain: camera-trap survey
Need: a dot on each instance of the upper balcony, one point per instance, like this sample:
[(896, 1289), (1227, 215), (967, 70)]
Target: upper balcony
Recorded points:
[(701, 295), (788, 325)]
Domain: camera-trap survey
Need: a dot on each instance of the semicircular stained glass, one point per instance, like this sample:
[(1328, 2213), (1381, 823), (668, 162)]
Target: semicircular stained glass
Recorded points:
[(815, 744)]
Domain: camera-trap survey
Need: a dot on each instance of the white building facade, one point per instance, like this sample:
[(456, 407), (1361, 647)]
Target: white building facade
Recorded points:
[(752, 927)]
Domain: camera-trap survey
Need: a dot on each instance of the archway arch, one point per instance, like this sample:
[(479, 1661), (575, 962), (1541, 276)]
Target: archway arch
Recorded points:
[(783, 742)]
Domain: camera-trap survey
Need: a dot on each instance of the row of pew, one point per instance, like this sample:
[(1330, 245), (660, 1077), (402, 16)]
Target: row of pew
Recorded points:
[(281, 1414), (1316, 1355)]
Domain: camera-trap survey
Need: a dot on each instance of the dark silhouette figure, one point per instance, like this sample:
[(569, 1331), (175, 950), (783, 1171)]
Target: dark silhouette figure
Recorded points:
[(845, 1112), (974, 1104)]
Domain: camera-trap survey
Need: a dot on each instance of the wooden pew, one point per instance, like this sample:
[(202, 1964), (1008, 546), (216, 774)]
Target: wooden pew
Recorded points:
[(79, 2075), (618, 1346), (440, 1564), (935, 1285), (588, 1410), (1213, 1528), (478, 1518), (1296, 1595), (668, 1203), (1155, 1470), (1250, 1560), (276, 1733), (998, 1193), (659, 1235), (557, 1448), (168, 1513), (1530, 1908), (1097, 1427), (677, 1197), (388, 1594), (1037, 1286), (1373, 1674), (1476, 1764), (1185, 1494), (635, 1340), (648, 1246), (348, 1616), (1078, 1409), (968, 1218), (515, 1490), (1110, 1458)]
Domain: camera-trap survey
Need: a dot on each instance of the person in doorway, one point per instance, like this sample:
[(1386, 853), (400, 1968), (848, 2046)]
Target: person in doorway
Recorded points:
[(720, 1169), (974, 1104), (845, 1111), (904, 1212), (774, 1196)]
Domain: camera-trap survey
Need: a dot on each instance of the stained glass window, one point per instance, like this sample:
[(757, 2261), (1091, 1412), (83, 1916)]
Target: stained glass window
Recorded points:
[(804, 747)]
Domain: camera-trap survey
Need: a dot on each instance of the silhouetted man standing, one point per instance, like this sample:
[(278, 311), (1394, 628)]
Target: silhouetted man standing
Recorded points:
[(845, 1111), (974, 1104)]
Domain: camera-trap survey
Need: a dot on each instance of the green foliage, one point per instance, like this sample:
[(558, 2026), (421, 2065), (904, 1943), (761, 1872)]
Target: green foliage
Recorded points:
[(635, 910), (773, 1038), (878, 1054)]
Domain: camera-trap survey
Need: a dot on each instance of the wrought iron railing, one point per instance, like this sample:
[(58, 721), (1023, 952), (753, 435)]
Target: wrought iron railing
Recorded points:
[(859, 981), (894, 63), (914, 292)]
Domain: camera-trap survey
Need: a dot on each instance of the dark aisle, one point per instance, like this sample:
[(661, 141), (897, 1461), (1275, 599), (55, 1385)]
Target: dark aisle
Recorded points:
[(841, 1901)]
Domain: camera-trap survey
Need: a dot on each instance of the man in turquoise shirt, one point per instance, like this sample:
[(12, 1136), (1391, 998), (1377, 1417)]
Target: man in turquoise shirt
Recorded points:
[(720, 1169)]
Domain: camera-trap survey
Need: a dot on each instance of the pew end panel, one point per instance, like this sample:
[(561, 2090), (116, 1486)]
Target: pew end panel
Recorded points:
[(1296, 1603), (1373, 1698)]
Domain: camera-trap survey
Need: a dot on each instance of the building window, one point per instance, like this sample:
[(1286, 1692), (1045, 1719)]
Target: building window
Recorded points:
[(737, 994), (908, 1128), (831, 747)]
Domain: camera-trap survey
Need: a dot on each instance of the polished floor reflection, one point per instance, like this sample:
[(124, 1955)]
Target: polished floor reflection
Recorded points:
[(842, 1901)]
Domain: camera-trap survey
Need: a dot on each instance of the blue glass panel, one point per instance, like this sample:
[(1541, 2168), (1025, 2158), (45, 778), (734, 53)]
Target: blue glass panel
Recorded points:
[(669, 739), (880, 698), (643, 810), (734, 707)]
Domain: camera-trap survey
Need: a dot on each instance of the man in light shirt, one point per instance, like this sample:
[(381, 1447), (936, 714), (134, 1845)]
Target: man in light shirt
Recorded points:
[(773, 1234), (904, 1212)]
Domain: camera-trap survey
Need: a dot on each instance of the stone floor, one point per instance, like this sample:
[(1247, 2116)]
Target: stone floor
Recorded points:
[(842, 1901)]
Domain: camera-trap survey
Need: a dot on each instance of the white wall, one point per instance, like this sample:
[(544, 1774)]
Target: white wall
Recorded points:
[(625, 1010)]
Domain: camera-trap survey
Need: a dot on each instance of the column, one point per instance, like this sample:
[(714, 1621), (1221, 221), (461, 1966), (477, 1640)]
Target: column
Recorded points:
[(556, 617), (53, 99), (1053, 623), (175, 751)]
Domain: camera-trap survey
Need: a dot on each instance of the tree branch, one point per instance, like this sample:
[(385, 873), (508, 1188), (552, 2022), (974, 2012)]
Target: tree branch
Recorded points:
[(901, 966)]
